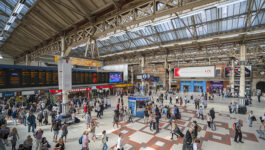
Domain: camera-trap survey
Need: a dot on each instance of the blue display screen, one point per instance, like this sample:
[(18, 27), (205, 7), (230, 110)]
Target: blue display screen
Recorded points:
[(115, 77)]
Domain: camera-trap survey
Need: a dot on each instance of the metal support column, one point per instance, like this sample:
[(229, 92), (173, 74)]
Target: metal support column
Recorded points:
[(132, 75), (142, 67), (165, 78), (64, 92), (232, 77), (169, 77), (242, 71)]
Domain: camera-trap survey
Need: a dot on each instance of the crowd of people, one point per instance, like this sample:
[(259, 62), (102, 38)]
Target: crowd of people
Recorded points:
[(34, 116)]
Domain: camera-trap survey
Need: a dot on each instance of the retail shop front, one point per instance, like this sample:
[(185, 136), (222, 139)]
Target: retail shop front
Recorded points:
[(216, 86), (193, 86)]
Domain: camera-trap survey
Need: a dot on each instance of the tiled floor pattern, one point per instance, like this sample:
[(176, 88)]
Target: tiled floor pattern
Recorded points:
[(139, 134)]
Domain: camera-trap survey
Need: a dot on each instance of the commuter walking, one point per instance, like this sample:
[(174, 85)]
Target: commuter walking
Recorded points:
[(104, 140), (38, 137), (238, 133), (31, 122)]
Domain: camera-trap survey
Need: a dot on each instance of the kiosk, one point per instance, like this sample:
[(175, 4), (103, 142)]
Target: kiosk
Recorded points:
[(138, 105)]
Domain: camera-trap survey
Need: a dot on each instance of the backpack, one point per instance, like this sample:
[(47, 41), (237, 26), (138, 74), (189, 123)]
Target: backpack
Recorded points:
[(234, 126), (80, 140)]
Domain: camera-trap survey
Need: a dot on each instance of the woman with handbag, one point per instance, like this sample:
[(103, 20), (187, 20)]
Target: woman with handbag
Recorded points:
[(59, 145), (13, 136)]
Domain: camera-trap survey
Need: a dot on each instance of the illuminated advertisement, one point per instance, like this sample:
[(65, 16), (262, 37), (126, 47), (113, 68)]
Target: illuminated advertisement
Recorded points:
[(237, 72), (115, 77), (194, 72)]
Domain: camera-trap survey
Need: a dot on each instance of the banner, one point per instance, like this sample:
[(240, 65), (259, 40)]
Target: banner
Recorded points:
[(80, 62), (194, 72)]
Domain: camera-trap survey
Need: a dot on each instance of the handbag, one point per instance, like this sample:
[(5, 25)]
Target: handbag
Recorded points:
[(10, 138)]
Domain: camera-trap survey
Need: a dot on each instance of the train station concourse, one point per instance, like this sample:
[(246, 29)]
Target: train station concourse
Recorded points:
[(132, 74)]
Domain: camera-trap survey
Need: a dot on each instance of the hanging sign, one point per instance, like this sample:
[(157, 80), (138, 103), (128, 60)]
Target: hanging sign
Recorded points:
[(80, 62)]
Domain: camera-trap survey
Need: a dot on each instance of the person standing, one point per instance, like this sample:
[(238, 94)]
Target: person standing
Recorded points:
[(262, 130), (55, 127), (31, 122), (209, 120), (212, 113), (250, 118), (157, 122), (85, 141), (14, 116), (64, 131), (230, 108), (187, 142), (38, 137), (44, 145), (104, 140), (28, 143), (119, 143), (151, 121), (14, 137), (170, 100), (238, 134), (200, 112), (23, 116), (259, 95), (130, 115), (40, 118)]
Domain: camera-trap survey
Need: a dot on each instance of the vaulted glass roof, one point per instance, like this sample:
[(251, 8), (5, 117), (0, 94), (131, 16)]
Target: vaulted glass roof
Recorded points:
[(192, 25), (6, 9)]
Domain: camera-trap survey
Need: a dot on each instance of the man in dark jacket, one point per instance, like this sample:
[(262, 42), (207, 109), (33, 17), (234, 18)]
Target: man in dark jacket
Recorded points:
[(212, 114), (187, 143), (31, 122)]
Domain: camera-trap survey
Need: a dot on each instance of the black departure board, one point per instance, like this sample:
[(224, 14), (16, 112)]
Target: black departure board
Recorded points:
[(86, 77), (14, 78), (95, 78), (34, 77), (42, 78), (55, 78), (82, 77), (25, 78), (3, 78), (48, 77), (78, 77)]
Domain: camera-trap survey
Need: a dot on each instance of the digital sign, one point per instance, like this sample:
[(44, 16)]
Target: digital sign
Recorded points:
[(237, 72), (115, 77), (3, 80), (25, 78), (14, 78)]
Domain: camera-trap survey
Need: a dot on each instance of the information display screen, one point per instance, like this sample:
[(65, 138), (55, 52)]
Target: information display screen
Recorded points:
[(34, 77), (78, 77), (115, 77), (25, 78), (95, 79), (86, 77), (90, 78), (14, 80), (3, 80), (55, 77), (82, 77), (48, 77), (42, 78)]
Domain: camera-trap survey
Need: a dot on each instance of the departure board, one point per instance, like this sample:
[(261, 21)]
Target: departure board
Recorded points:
[(95, 78), (3, 80), (86, 77), (82, 77), (14, 78), (55, 78), (34, 77), (73, 77), (48, 78), (77, 77), (106, 78), (42, 78), (90, 77), (25, 78)]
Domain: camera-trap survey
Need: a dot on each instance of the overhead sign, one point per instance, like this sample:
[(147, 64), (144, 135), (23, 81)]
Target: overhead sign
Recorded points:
[(237, 72), (80, 62), (146, 76), (65, 74), (194, 72)]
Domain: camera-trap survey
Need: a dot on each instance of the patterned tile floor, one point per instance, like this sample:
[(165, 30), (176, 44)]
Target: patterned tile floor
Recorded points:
[(137, 135)]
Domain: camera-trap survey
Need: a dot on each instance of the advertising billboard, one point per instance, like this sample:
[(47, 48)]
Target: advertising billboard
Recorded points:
[(237, 72), (195, 72), (115, 77)]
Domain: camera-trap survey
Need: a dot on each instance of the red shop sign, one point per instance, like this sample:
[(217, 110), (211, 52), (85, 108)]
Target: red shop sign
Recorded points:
[(55, 91)]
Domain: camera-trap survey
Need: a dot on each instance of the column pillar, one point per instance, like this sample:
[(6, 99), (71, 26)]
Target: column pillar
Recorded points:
[(165, 78), (169, 77), (232, 77), (64, 92), (242, 71), (132, 75), (142, 67)]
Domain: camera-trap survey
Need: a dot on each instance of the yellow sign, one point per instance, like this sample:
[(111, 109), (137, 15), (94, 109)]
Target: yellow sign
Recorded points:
[(122, 85), (81, 62)]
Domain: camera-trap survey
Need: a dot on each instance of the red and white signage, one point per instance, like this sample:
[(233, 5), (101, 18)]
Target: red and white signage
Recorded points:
[(195, 72)]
